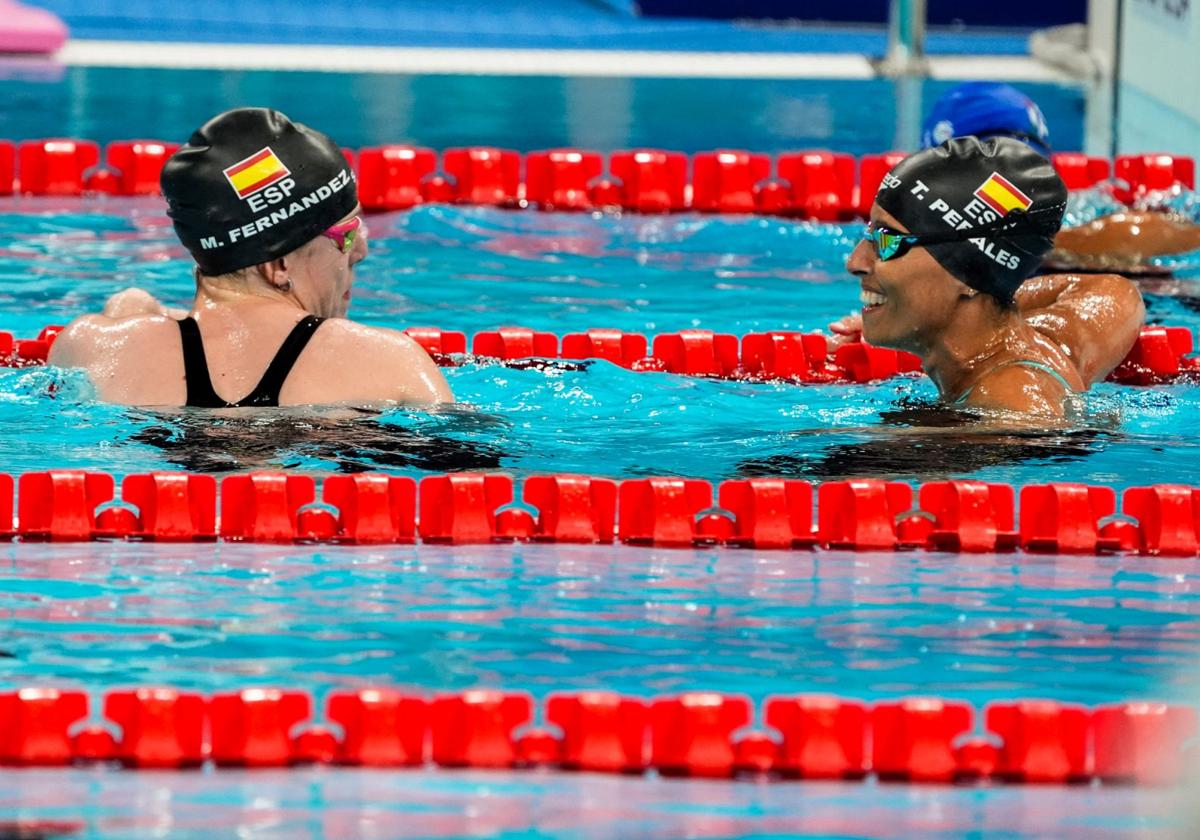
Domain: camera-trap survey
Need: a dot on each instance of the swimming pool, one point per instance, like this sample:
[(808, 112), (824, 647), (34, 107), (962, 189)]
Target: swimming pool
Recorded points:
[(551, 618)]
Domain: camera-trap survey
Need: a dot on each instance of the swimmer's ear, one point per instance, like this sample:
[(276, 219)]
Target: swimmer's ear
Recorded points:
[(275, 273)]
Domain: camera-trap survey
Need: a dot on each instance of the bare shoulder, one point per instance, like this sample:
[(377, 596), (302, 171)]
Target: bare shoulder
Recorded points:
[(1020, 389), (375, 363), (370, 341), (89, 336)]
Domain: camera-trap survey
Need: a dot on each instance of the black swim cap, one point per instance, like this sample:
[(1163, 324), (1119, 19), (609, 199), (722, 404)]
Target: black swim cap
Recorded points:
[(251, 186), (1000, 187)]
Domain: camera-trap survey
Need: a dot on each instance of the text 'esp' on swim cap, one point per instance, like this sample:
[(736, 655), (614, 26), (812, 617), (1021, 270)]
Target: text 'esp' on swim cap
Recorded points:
[(1000, 185), (251, 186)]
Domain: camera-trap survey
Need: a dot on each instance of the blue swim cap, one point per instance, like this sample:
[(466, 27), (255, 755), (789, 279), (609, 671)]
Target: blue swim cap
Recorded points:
[(986, 109)]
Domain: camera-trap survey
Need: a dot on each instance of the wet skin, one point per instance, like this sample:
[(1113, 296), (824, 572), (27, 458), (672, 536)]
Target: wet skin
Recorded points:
[(1079, 326)]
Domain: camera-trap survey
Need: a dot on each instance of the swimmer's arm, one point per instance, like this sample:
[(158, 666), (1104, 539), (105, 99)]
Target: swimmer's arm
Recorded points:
[(1130, 237), (1095, 318)]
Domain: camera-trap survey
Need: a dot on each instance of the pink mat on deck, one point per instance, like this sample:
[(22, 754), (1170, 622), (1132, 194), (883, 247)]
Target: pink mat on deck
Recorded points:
[(24, 29)]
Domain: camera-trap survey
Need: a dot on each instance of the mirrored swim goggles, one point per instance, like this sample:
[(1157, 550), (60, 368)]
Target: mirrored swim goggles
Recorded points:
[(345, 233), (892, 244)]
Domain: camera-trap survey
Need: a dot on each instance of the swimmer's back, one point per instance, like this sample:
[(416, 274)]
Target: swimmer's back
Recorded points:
[(138, 360)]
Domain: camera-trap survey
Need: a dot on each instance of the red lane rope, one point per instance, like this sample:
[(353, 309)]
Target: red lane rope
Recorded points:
[(819, 185), (694, 734), (759, 513), (1160, 354)]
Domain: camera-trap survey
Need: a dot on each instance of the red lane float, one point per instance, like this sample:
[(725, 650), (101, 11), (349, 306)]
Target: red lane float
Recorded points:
[(661, 511), (173, 506), (1064, 518), (37, 724), (1042, 741), (461, 508), (697, 352), (484, 175), (651, 180), (706, 734), (871, 170), (160, 727), (508, 343), (1160, 354), (913, 740), (822, 184), (692, 735), (8, 167), (970, 515), (394, 177), (381, 727), (137, 164), (439, 344), (602, 731), (814, 184), (1153, 172), (757, 513), (769, 512), (727, 181), (55, 167), (1080, 171), (560, 179), (572, 508), (373, 508), (262, 507), (861, 515), (823, 737), (61, 504), (477, 728), (793, 356), (252, 727), (1141, 743), (620, 348)]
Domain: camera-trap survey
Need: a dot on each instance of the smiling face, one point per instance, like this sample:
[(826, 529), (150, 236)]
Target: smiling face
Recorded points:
[(907, 300), (322, 274)]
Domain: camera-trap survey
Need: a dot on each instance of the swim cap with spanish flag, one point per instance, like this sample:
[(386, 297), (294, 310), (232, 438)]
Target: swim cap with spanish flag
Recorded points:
[(251, 186), (1003, 199)]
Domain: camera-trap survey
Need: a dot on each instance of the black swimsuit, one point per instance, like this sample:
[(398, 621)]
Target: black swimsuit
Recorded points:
[(200, 391)]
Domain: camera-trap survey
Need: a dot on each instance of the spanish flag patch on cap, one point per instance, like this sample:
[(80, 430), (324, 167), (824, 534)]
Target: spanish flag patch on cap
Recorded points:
[(256, 172), (1002, 195)]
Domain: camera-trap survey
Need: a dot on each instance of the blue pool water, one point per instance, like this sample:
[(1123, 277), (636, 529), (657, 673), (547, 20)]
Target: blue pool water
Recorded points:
[(523, 113), (475, 269), (547, 618)]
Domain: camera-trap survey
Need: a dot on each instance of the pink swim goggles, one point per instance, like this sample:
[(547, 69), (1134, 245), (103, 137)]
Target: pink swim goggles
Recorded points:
[(344, 234)]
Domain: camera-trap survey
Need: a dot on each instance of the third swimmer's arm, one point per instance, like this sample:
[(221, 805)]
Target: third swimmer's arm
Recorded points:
[(1095, 318)]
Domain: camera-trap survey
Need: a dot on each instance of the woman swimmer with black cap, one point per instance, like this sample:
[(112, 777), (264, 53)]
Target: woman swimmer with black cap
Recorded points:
[(269, 210), (1122, 242), (954, 234)]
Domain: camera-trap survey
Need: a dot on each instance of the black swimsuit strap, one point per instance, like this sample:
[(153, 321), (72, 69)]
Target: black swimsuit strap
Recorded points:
[(266, 392), (200, 393)]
